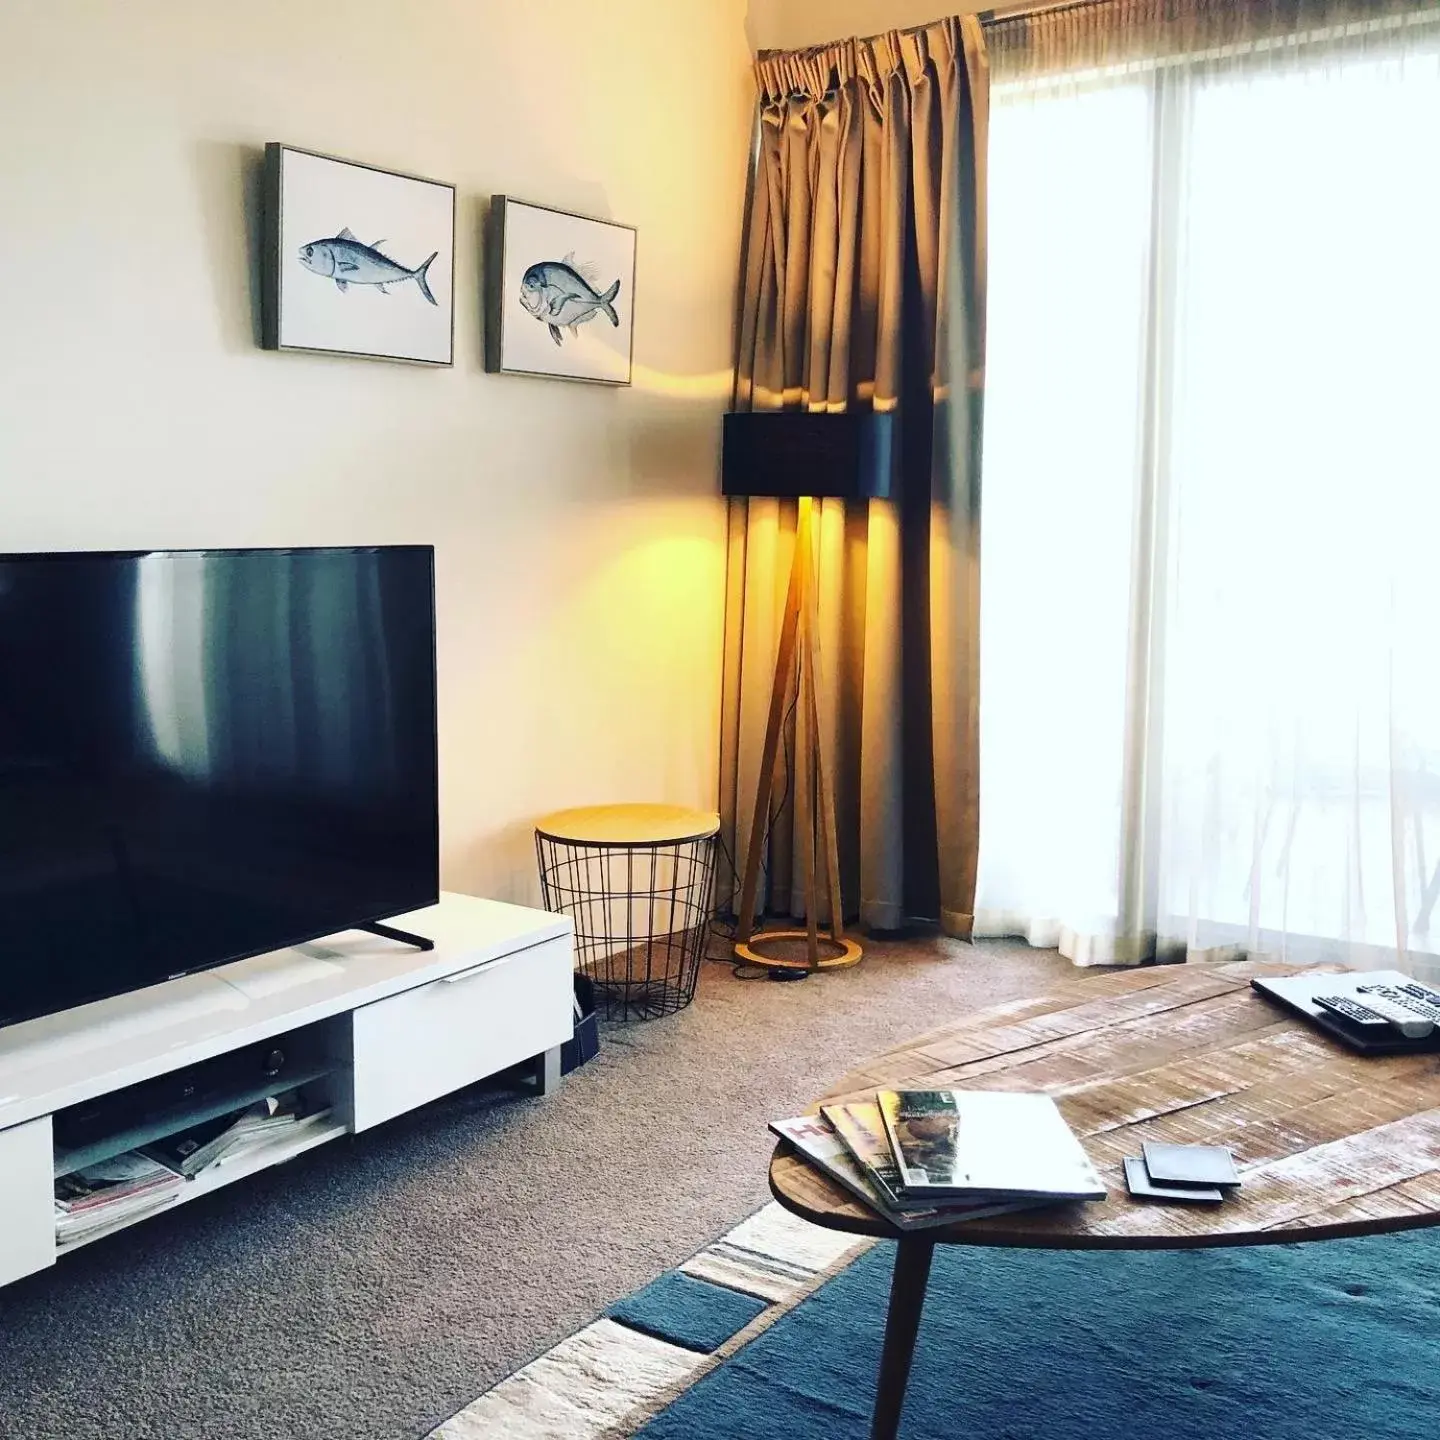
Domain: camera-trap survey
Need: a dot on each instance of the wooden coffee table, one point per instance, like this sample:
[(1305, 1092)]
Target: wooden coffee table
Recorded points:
[(1330, 1143)]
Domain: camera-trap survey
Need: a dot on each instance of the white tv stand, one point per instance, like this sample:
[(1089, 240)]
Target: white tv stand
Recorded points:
[(391, 1028)]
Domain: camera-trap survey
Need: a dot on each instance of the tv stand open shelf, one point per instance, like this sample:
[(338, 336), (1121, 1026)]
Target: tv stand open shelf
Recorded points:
[(387, 1028), (218, 1176), (161, 1124)]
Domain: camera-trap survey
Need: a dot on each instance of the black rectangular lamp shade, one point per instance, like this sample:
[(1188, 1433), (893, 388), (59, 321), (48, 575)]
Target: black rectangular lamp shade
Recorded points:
[(793, 453)]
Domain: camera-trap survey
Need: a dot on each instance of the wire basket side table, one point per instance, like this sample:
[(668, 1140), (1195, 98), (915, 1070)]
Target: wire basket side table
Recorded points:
[(639, 883)]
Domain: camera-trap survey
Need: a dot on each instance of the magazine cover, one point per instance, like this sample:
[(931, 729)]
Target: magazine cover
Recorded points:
[(968, 1142), (819, 1144), (861, 1128)]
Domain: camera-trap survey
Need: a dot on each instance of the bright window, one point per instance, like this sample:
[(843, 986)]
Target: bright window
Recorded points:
[(1210, 692)]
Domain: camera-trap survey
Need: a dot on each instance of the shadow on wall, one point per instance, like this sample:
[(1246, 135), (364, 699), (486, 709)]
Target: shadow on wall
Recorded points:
[(228, 176), (507, 852), (792, 24), (764, 24)]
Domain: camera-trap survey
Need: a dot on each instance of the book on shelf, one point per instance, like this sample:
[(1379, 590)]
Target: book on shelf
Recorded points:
[(952, 1144), (814, 1137)]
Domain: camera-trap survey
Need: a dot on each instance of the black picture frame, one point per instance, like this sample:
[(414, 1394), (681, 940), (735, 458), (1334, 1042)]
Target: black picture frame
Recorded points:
[(500, 307), (273, 269)]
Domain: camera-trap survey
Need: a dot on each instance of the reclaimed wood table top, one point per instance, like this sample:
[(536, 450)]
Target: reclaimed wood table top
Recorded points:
[(1329, 1142)]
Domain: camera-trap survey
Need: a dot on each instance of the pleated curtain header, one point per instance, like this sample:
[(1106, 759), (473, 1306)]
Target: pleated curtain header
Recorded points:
[(1108, 33), (814, 73)]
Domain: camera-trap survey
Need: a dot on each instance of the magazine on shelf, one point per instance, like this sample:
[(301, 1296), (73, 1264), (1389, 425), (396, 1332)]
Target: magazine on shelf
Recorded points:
[(74, 1225), (812, 1137), (198, 1148), (110, 1194), (109, 1183), (954, 1143), (248, 1144), (190, 1151)]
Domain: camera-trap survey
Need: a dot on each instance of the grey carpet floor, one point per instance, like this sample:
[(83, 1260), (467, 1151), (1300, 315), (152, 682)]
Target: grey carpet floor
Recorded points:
[(375, 1286)]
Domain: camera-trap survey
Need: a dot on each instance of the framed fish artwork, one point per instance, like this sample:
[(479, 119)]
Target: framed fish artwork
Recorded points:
[(357, 260), (560, 294)]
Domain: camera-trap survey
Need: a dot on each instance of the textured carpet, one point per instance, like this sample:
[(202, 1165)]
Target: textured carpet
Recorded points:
[(1331, 1341), (608, 1378), (372, 1288)]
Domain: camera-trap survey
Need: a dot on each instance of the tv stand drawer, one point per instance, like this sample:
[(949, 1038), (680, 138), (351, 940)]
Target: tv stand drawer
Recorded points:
[(27, 1200), (427, 1042)]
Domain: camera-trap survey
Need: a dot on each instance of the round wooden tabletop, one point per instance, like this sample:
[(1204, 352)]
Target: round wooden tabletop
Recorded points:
[(1329, 1142), (628, 824)]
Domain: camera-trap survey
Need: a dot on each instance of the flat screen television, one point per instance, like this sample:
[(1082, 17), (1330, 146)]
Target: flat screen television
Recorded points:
[(205, 755)]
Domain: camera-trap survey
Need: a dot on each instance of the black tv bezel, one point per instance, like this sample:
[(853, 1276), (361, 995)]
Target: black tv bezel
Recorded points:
[(8, 1020)]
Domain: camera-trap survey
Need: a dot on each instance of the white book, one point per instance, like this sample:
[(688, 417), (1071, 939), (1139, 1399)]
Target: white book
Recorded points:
[(952, 1143)]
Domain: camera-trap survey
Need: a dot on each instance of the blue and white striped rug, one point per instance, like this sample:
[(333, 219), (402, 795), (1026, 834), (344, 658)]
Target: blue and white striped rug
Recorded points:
[(606, 1380), (1332, 1340)]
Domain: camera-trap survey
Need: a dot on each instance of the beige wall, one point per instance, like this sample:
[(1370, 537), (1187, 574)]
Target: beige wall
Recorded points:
[(790, 24), (579, 535)]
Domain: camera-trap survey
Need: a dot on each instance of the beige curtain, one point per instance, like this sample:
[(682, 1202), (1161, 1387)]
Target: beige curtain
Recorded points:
[(863, 284)]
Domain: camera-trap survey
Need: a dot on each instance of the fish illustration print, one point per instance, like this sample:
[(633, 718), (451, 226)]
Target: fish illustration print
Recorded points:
[(562, 295), (343, 259)]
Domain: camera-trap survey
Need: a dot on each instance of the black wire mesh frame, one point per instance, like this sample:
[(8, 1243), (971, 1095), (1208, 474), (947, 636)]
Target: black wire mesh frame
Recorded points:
[(638, 970)]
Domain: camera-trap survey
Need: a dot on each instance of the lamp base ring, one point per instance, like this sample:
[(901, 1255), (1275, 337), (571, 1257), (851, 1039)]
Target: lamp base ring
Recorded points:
[(846, 952)]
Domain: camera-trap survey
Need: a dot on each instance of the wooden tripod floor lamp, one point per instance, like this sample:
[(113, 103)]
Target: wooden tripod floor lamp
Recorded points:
[(803, 456)]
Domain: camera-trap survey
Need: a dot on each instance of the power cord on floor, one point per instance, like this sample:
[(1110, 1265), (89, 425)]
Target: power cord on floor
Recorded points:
[(723, 928)]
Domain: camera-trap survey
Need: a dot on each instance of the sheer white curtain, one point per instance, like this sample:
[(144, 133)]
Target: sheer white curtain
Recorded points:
[(1210, 714)]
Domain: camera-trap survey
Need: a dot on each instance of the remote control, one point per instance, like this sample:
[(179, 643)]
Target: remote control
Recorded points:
[(1376, 1012), (1412, 997)]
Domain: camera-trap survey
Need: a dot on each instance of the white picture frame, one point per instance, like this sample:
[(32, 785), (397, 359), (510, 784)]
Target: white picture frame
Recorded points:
[(357, 260), (560, 294)]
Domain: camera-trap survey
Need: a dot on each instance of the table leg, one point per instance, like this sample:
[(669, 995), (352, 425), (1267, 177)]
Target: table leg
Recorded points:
[(902, 1323)]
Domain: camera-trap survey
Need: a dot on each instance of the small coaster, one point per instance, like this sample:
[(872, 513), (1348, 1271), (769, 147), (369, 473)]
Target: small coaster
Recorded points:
[(1143, 1188), (1208, 1165)]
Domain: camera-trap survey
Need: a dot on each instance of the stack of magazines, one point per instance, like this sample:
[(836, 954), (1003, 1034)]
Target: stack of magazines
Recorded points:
[(241, 1132), (935, 1157), (110, 1193)]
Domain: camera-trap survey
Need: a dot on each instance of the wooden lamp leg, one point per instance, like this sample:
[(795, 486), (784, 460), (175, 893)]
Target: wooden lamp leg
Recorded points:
[(779, 686), (814, 774), (825, 773), (805, 788)]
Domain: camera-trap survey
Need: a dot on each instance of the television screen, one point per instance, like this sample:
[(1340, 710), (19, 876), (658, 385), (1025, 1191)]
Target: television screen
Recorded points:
[(205, 755)]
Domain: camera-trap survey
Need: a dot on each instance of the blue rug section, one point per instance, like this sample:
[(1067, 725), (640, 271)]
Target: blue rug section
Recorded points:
[(691, 1313), (1335, 1340)]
